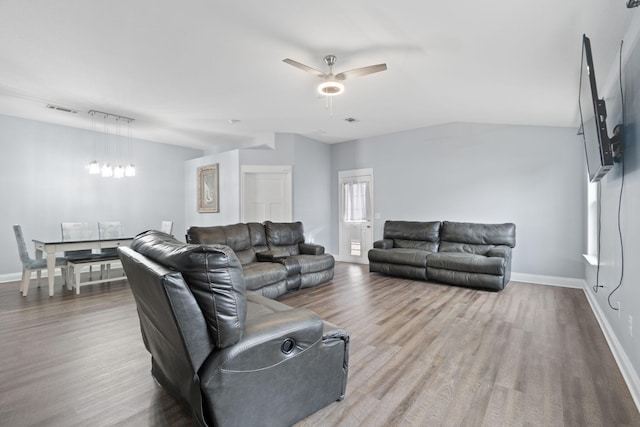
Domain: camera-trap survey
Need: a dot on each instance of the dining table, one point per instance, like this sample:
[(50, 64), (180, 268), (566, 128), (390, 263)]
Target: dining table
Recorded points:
[(51, 248)]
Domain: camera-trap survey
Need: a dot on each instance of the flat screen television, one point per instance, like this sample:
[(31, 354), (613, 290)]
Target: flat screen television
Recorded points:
[(593, 115)]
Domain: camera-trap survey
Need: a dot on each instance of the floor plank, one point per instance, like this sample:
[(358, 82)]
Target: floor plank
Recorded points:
[(422, 354)]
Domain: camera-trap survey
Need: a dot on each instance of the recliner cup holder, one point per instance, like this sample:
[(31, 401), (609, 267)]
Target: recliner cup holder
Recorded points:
[(288, 345)]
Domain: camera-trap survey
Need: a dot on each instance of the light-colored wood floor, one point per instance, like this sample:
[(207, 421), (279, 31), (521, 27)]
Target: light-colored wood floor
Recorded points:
[(422, 354)]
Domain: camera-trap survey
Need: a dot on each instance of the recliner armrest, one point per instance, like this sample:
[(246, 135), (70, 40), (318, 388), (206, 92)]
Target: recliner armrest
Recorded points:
[(500, 251), (310, 249), (264, 342), (383, 244)]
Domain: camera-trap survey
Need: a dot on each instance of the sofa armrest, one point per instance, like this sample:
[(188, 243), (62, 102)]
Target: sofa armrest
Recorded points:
[(383, 244), (272, 256), (310, 249), (501, 251), (267, 341)]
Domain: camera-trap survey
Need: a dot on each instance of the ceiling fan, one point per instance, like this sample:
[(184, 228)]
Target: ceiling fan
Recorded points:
[(332, 84)]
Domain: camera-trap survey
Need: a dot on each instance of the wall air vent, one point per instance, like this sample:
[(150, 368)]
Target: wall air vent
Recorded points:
[(63, 109)]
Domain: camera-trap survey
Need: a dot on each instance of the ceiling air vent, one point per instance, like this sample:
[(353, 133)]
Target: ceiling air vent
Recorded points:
[(63, 109)]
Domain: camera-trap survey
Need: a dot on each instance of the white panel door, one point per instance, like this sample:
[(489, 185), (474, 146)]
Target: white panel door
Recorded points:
[(266, 193), (356, 215)]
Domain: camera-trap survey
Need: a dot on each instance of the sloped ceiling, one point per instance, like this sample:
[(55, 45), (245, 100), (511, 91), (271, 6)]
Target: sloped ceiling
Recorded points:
[(209, 74)]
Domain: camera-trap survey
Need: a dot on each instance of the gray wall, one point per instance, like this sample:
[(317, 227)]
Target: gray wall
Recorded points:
[(311, 165), (229, 188), (532, 176), (628, 295), (44, 182)]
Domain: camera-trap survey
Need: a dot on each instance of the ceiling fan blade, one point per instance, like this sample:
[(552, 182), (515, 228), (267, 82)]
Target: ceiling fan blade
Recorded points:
[(357, 72), (304, 67)]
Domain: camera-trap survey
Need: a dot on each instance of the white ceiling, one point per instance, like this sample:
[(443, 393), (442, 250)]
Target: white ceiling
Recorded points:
[(184, 69)]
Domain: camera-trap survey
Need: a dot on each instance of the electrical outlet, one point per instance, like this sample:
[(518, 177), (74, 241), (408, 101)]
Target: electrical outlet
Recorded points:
[(630, 325)]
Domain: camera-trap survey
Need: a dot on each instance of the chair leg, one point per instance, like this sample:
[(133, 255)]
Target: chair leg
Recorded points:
[(26, 278), (77, 278), (66, 273)]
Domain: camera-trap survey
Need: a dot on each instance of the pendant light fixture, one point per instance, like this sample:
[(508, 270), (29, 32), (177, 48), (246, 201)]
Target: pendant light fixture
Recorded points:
[(107, 169)]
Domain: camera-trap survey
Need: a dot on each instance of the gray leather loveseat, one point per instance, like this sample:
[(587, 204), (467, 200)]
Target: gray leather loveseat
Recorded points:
[(460, 253), (233, 357), (274, 256)]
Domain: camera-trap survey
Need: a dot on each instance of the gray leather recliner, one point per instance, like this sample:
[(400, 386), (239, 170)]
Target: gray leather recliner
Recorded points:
[(235, 358)]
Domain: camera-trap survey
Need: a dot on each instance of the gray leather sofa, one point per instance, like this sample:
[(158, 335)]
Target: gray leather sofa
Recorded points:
[(274, 256), (233, 357), (460, 253)]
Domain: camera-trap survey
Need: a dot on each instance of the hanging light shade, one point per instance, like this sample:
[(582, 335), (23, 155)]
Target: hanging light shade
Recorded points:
[(130, 170), (107, 170), (94, 167), (118, 172)]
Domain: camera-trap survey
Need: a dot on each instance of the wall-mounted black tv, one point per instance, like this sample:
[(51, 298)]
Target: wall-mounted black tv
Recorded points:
[(593, 115)]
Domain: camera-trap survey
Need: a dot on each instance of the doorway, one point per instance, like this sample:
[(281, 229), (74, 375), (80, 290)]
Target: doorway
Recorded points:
[(355, 232), (265, 193)]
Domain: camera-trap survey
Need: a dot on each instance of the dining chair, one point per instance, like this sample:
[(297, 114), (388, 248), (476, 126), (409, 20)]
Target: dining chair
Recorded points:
[(30, 265), (109, 230), (73, 231), (166, 227)]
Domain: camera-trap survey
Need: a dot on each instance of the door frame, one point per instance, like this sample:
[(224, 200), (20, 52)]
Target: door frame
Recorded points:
[(342, 175), (285, 170)]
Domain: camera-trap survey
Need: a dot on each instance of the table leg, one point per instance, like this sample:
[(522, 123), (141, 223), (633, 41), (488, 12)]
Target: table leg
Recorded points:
[(51, 271)]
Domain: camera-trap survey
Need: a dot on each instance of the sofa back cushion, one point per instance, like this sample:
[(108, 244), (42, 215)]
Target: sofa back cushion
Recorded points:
[(476, 238), (413, 234), (214, 276), (244, 239), (284, 236), (258, 236)]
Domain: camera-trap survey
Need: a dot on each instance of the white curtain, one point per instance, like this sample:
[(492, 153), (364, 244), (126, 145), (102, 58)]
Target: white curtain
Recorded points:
[(356, 200)]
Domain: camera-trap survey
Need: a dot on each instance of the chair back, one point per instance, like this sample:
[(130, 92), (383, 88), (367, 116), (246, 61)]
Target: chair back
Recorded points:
[(109, 229), (22, 246), (72, 231), (166, 227)]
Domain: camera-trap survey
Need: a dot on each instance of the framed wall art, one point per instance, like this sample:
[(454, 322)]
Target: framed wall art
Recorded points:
[(208, 186)]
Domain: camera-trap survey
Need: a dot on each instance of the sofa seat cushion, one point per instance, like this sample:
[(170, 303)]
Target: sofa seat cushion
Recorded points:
[(470, 263), (406, 256), (260, 274)]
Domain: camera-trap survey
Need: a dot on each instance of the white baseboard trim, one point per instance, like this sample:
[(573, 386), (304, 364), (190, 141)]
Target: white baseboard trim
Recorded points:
[(10, 277), (565, 282), (16, 277), (624, 364)]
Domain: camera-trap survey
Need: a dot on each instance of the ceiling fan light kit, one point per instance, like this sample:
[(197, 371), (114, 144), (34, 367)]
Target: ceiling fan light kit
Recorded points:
[(331, 84), (330, 88)]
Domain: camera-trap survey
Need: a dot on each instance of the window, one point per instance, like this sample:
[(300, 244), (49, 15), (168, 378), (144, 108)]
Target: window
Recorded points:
[(356, 198)]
